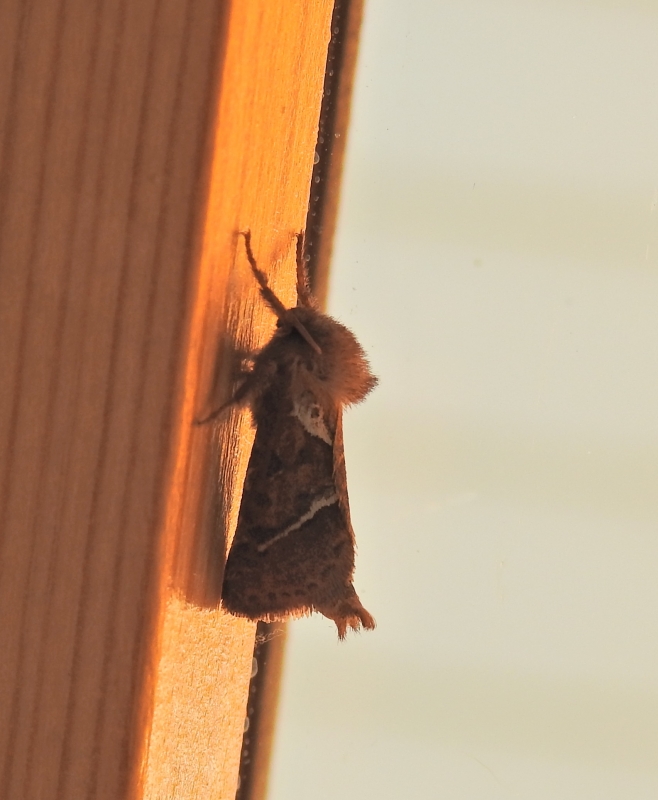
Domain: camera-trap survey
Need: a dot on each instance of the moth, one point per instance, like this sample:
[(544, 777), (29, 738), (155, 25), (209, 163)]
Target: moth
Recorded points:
[(293, 551)]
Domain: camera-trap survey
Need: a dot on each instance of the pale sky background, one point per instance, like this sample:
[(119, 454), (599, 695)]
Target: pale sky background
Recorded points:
[(497, 256)]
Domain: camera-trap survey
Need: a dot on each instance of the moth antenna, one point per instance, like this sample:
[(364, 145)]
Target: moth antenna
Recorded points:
[(267, 294), (304, 296), (271, 299)]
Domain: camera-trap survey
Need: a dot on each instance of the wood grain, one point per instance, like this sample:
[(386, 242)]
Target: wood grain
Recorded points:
[(136, 139)]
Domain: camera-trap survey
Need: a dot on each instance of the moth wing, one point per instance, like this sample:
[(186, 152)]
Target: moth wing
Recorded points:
[(293, 551)]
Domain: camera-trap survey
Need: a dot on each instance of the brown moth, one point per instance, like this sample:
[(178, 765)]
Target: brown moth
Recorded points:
[(293, 551)]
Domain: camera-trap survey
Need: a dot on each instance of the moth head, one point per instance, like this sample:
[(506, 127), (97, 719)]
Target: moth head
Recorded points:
[(340, 366), (290, 322)]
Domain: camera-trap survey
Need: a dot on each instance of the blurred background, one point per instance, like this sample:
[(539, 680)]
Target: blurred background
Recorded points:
[(497, 256)]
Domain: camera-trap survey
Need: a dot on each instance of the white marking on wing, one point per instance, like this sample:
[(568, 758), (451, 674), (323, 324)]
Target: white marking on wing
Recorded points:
[(316, 505), (312, 419)]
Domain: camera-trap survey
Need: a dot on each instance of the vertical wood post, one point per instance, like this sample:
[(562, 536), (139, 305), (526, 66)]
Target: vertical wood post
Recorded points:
[(137, 137)]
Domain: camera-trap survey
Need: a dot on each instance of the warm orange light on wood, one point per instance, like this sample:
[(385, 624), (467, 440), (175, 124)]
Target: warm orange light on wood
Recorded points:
[(136, 139)]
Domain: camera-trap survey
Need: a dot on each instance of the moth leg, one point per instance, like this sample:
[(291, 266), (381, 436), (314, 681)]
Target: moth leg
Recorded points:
[(239, 398), (255, 382), (242, 361)]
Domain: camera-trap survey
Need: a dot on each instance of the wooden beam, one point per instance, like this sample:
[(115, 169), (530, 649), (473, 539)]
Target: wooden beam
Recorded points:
[(136, 139)]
